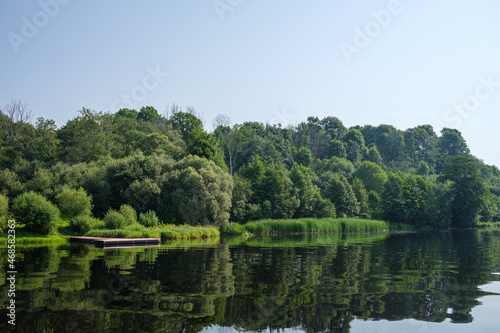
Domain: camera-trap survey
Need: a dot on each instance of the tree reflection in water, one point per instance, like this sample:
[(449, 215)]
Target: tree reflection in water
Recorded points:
[(315, 283)]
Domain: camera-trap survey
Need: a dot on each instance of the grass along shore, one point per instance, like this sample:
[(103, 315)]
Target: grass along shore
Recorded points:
[(164, 232), (311, 225), (188, 232)]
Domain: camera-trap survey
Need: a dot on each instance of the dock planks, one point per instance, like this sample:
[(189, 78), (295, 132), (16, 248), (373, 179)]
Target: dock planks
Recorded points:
[(116, 242)]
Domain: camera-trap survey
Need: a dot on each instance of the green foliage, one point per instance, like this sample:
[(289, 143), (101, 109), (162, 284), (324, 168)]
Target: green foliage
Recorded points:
[(232, 229), (196, 192), (242, 209), (36, 212), (277, 189), (362, 197), (185, 123), (148, 113), (467, 190), (129, 213), (309, 225), (10, 184), (312, 204), (4, 209), (143, 194), (115, 220), (133, 158), (373, 155), (165, 232), (148, 219), (355, 145), (372, 175), (74, 202), (303, 156), (4, 205), (340, 193), (406, 199), (127, 113), (82, 224), (83, 139), (374, 205), (322, 207)]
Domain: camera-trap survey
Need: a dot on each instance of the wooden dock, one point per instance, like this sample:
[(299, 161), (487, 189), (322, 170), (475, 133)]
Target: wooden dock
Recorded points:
[(116, 242)]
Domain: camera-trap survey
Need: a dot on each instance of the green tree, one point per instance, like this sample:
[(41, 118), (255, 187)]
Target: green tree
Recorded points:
[(114, 220), (196, 192), (148, 113), (373, 155), (324, 169), (143, 194), (340, 193), (45, 145), (36, 212), (127, 113), (304, 156), (277, 189), (301, 179), (242, 208), (74, 202), (468, 189), (406, 199), (149, 219), (362, 197), (374, 205), (83, 138), (372, 175), (231, 140), (355, 145), (185, 122)]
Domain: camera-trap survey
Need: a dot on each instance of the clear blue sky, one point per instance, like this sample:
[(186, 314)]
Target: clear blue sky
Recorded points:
[(267, 61)]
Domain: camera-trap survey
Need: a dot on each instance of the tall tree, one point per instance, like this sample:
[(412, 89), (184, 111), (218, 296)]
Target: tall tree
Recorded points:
[(468, 189), (340, 193)]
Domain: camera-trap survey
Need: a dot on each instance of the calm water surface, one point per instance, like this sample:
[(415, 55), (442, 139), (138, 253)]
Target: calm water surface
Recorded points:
[(413, 282)]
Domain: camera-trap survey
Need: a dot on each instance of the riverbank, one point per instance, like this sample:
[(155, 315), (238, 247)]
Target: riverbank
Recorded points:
[(311, 226), (24, 237), (257, 228)]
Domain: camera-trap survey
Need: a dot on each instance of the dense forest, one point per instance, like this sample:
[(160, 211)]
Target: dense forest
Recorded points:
[(170, 166)]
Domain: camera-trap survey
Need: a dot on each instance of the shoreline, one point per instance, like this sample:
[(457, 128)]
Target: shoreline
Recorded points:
[(268, 227)]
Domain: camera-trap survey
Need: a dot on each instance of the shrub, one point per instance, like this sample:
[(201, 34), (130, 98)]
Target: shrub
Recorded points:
[(135, 227), (114, 220), (129, 213), (149, 219), (74, 202), (4, 217), (36, 212), (232, 229), (4, 205), (84, 223)]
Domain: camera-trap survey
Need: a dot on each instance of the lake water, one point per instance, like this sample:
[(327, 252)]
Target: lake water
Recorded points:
[(407, 282)]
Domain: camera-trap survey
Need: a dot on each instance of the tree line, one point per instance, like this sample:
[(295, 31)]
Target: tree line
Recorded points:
[(169, 164)]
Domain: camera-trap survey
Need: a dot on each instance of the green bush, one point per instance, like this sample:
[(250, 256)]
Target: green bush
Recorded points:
[(129, 213), (36, 212), (4, 205), (114, 220), (135, 227), (84, 223), (74, 202), (149, 219), (232, 229)]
